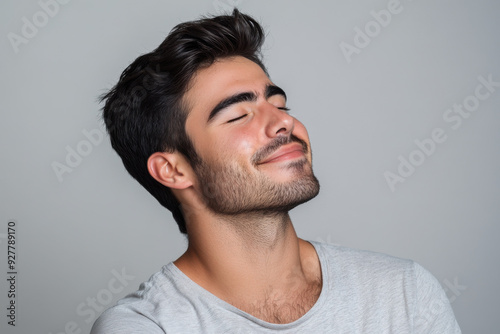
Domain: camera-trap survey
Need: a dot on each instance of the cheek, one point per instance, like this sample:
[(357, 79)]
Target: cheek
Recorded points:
[(233, 145), (239, 142)]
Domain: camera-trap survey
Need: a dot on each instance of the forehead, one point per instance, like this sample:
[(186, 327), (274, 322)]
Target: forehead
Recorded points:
[(223, 78)]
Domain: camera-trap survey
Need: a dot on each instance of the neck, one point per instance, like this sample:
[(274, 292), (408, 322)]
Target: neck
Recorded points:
[(248, 260), (255, 233)]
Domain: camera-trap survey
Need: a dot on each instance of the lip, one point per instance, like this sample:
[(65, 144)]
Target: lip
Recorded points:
[(286, 152)]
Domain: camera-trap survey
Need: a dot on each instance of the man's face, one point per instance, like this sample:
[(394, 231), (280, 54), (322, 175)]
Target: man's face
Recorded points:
[(253, 156)]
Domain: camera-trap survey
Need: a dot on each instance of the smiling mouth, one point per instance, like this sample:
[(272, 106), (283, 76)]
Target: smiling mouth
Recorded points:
[(286, 152)]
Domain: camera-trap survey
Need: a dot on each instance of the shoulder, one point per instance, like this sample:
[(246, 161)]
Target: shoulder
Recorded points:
[(373, 268), (433, 309), (375, 265), (382, 280), (122, 320), (361, 262), (138, 312)]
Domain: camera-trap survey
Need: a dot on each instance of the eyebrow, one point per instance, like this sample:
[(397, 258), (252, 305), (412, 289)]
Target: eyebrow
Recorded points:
[(271, 90)]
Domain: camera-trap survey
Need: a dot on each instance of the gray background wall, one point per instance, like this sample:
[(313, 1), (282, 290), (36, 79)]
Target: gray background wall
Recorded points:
[(77, 232)]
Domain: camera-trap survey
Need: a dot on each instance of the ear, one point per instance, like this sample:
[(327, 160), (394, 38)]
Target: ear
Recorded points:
[(170, 169)]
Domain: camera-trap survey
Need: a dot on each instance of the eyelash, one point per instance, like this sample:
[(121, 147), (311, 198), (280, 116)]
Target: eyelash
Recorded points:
[(242, 116), (237, 118)]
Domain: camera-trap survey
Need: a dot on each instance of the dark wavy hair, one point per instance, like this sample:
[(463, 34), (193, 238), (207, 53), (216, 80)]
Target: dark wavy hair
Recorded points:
[(144, 112)]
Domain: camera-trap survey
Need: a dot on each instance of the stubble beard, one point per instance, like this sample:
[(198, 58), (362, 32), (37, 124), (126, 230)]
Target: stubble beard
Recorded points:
[(229, 190)]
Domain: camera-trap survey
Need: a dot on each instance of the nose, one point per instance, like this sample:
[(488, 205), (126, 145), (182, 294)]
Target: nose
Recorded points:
[(279, 122)]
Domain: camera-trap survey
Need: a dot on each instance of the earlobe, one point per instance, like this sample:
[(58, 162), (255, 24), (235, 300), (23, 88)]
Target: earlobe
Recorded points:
[(169, 170)]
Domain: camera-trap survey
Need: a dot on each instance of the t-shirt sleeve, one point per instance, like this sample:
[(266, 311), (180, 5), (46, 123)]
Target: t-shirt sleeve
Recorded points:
[(124, 321), (434, 314)]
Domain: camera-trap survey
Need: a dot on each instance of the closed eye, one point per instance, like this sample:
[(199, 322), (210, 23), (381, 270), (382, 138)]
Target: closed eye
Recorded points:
[(242, 116), (235, 119)]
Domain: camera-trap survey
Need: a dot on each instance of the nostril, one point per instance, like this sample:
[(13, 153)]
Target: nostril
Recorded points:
[(281, 130)]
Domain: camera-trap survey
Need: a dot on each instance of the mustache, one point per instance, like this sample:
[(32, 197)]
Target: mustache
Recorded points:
[(267, 150)]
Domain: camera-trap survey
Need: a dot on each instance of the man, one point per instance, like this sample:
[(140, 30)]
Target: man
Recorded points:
[(201, 126)]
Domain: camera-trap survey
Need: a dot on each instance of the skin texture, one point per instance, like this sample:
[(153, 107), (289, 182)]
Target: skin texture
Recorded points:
[(256, 164)]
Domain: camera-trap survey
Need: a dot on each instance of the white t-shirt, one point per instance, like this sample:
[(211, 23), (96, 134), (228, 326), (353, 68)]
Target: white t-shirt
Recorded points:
[(363, 292)]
